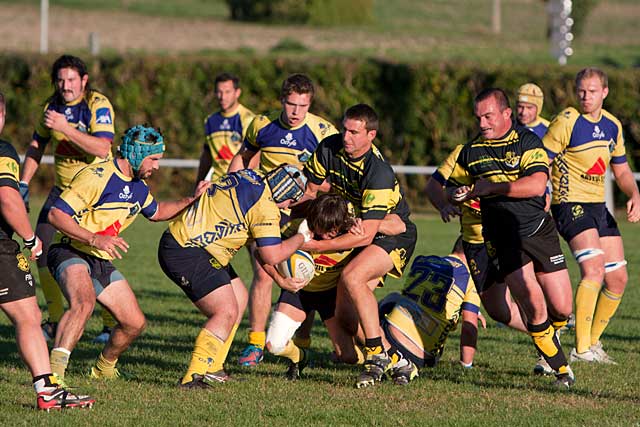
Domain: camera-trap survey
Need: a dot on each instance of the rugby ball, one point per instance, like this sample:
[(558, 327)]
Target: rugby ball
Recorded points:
[(300, 265)]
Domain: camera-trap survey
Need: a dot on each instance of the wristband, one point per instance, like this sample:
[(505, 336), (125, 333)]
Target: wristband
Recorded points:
[(30, 243)]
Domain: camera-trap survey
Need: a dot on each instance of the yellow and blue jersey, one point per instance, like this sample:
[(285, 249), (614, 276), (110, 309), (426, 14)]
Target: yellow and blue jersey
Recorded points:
[(539, 126), (9, 177), (439, 288), (103, 200), (224, 133), (279, 143), (92, 115), (581, 150), (471, 220), (236, 208)]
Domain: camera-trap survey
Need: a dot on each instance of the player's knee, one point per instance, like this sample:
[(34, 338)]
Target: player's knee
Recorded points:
[(280, 331)]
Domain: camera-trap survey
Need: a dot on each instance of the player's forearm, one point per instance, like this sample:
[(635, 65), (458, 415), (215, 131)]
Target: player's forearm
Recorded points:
[(14, 212), (242, 160), (625, 180), (169, 209), (435, 194), (92, 145), (67, 225), (347, 241), (468, 337), (204, 165), (522, 188), (31, 161), (275, 254)]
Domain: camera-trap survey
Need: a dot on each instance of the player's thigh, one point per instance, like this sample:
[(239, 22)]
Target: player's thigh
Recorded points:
[(119, 299), (370, 264), (219, 302), (76, 284), (558, 294), (23, 311), (292, 311)]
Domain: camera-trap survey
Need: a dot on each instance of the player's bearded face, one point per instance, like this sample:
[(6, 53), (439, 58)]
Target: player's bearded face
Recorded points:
[(526, 113), (70, 85), (149, 165), (493, 122), (591, 94), (227, 95), (295, 107)]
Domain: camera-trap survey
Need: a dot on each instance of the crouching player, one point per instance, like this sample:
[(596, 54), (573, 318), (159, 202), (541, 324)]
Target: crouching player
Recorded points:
[(437, 292), (328, 216), (101, 201), (196, 250)]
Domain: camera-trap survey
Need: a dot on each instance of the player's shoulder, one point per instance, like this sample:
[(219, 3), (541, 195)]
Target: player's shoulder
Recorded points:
[(95, 98), (260, 121), (527, 138), (319, 126), (611, 117), (245, 113), (8, 150), (566, 117), (332, 143), (544, 121), (97, 171)]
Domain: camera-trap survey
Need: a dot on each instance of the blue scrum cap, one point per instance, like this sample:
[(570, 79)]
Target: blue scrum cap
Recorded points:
[(286, 183), (139, 142)]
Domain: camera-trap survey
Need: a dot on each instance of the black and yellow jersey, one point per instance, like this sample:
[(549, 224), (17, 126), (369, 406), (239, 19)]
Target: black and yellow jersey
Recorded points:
[(236, 208), (329, 265), (224, 133), (471, 220), (581, 150), (368, 182), (9, 177), (93, 115), (517, 154), (279, 143), (103, 200)]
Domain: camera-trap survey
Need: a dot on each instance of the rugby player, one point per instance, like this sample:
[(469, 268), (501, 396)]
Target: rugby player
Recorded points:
[(581, 146), (17, 290), (438, 293), (287, 136), (359, 173), (529, 107), (196, 250), (78, 123), (508, 169), (99, 203)]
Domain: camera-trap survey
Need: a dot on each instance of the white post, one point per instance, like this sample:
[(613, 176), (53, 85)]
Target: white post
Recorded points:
[(496, 18), (44, 26), (94, 43)]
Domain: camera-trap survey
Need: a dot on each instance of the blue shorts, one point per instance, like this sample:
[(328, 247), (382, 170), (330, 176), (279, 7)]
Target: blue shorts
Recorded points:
[(574, 218)]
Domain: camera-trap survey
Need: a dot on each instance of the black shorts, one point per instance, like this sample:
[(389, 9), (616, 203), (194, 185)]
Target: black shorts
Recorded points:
[(16, 281), (101, 271), (574, 218), (483, 269), (324, 302), (194, 270), (542, 248), (399, 247)]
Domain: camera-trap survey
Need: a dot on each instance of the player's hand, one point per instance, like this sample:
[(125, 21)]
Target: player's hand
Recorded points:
[(459, 194), (293, 284), (36, 250), (54, 120), (24, 193), (482, 320), (285, 204), (303, 229), (201, 188), (357, 229), (633, 209), (482, 187), (111, 245), (310, 246), (449, 211)]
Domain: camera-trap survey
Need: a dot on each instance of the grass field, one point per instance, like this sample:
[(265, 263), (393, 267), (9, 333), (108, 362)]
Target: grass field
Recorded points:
[(408, 30), (500, 390)]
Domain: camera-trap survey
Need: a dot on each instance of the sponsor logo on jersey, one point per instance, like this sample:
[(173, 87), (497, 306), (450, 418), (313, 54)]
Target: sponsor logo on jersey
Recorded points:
[(597, 132), (68, 114), (323, 128), (369, 198), (596, 172), (99, 171), (236, 136), (103, 116), (288, 140), (304, 156), (511, 159), (133, 210), (612, 145), (29, 279), (126, 193), (225, 125)]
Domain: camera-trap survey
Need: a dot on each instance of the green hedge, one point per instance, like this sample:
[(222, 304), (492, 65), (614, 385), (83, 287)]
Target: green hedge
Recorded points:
[(426, 109)]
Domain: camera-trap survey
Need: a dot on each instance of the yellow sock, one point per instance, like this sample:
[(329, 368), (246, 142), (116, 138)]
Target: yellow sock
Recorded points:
[(107, 319), (59, 361), (559, 324), (53, 295), (302, 342), (586, 298), (218, 362), (204, 353), (106, 367), (608, 303), (258, 338), (360, 354), (291, 352), (548, 346)]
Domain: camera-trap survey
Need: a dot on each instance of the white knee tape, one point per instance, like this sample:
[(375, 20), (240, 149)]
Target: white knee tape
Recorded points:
[(613, 266), (281, 330), (585, 254)]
